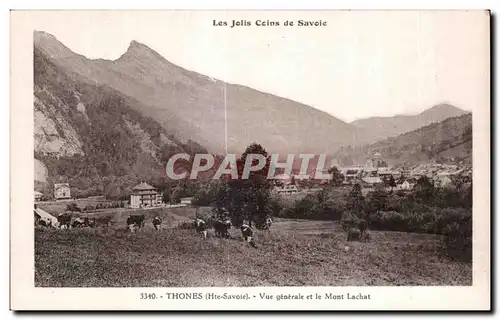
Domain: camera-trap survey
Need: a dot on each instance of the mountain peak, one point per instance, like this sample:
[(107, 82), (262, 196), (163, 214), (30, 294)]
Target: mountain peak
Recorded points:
[(444, 110), (137, 50), (51, 45)]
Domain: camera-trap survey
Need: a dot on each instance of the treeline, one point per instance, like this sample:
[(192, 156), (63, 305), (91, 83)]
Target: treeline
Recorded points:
[(425, 209)]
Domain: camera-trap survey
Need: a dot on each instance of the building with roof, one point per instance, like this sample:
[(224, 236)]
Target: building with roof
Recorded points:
[(286, 189), (352, 174), (372, 180), (406, 185), (145, 195), (38, 196), (62, 191)]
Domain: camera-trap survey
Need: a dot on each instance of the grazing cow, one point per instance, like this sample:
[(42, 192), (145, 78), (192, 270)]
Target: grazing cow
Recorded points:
[(78, 223), (64, 220), (222, 228), (247, 233), (89, 222), (354, 234), (366, 236), (45, 222), (363, 225), (134, 221), (267, 223), (157, 223), (201, 227)]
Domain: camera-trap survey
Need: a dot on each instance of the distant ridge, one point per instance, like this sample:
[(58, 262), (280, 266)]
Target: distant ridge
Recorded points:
[(447, 141), (384, 127)]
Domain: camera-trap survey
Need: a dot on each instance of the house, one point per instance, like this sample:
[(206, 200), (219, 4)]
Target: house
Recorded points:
[(144, 195), (37, 196), (62, 191), (351, 175), (286, 189), (372, 180), (406, 185), (187, 200)]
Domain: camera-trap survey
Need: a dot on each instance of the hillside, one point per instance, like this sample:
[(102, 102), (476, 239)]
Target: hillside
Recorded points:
[(91, 136), (385, 127), (191, 105), (448, 140)]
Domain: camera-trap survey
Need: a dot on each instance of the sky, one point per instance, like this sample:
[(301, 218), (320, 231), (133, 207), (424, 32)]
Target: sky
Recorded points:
[(361, 64)]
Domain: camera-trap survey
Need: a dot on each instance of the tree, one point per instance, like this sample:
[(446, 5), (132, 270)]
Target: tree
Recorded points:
[(248, 199), (424, 190), (378, 200), (337, 176), (355, 200)]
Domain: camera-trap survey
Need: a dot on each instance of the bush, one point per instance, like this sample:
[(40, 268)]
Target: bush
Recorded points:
[(349, 220), (459, 240), (73, 207)]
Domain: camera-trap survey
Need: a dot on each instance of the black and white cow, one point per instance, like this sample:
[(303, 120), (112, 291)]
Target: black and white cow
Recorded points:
[(247, 233), (64, 220), (201, 227), (78, 223), (157, 223), (267, 223), (135, 221), (89, 222)]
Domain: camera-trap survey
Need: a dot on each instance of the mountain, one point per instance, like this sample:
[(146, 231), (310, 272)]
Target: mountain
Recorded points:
[(446, 141), (93, 137), (384, 127), (191, 106)]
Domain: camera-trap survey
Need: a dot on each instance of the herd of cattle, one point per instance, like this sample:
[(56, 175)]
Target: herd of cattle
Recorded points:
[(221, 227), (137, 222)]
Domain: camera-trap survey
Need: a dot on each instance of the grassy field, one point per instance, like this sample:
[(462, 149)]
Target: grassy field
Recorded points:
[(294, 253)]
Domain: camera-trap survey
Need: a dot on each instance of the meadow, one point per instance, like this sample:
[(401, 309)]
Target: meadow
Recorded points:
[(294, 253)]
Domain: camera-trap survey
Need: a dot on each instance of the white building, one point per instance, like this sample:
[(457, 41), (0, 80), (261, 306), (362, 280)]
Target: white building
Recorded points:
[(286, 189), (62, 191)]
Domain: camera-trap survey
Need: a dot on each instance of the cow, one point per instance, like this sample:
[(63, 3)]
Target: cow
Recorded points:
[(134, 221), (267, 223), (78, 223), (45, 222), (201, 227), (366, 236), (222, 228), (89, 222), (157, 223), (64, 220), (354, 234), (247, 233)]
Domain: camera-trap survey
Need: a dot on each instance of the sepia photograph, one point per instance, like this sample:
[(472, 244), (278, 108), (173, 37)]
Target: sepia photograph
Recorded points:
[(235, 150)]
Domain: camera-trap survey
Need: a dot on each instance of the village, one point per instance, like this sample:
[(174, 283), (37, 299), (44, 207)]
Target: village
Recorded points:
[(375, 172)]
